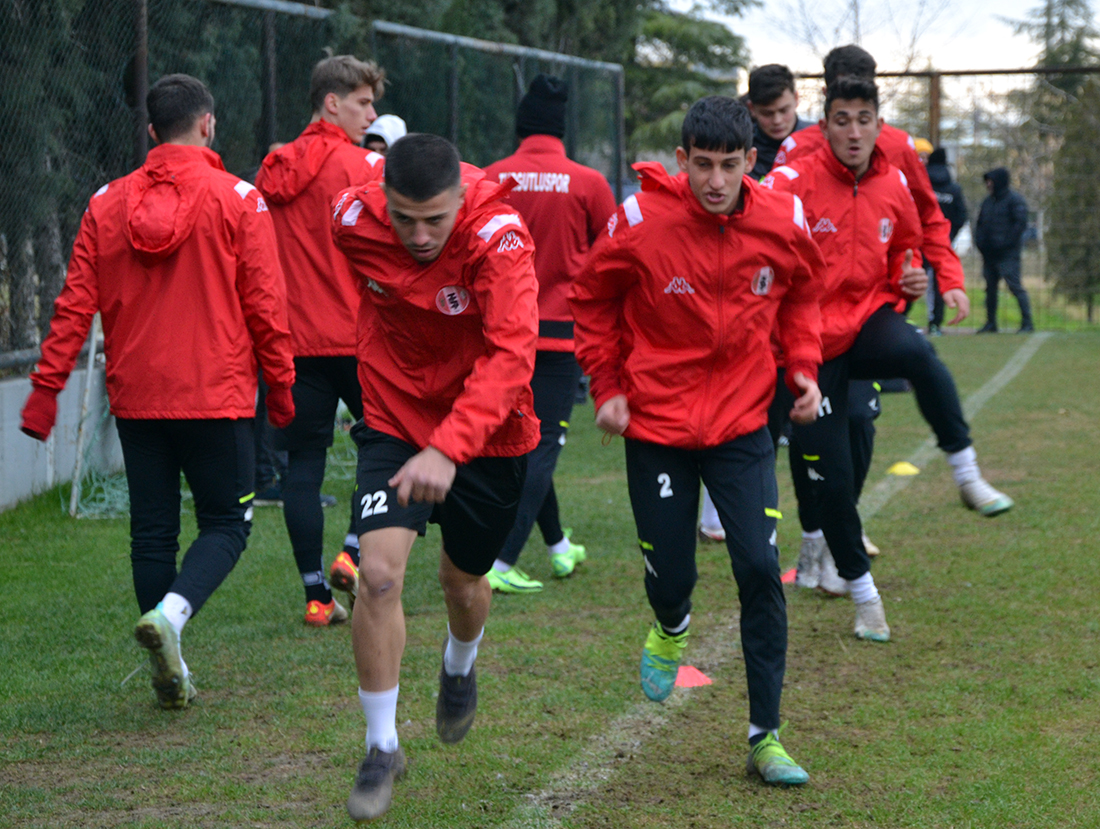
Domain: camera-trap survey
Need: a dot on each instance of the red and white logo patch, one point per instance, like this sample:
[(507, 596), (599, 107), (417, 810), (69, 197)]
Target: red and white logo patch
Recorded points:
[(885, 230), (763, 281), (452, 300)]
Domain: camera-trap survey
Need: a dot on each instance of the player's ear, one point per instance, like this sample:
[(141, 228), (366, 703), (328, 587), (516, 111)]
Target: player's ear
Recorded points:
[(750, 158), (682, 159)]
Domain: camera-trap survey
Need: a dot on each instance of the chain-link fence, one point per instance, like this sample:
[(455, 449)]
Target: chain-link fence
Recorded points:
[(1016, 120), (73, 77)]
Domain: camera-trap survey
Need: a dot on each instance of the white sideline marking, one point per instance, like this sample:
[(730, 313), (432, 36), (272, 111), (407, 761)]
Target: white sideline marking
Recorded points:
[(891, 485), (596, 763)]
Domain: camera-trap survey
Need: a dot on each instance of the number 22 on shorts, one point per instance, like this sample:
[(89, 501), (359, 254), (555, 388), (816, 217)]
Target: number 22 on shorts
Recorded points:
[(374, 504)]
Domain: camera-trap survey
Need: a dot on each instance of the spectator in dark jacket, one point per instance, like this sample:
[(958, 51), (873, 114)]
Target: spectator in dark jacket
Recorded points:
[(998, 234), (950, 196)]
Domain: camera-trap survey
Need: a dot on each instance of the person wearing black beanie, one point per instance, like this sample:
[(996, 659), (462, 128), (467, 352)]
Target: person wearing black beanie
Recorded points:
[(565, 206), (542, 110)]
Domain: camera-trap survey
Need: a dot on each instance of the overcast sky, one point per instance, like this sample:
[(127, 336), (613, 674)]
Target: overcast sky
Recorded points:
[(967, 34)]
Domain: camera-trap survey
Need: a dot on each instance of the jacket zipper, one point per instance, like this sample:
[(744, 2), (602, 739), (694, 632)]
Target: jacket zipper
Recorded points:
[(721, 325)]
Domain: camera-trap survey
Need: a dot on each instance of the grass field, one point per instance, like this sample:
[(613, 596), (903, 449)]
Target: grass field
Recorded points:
[(982, 712)]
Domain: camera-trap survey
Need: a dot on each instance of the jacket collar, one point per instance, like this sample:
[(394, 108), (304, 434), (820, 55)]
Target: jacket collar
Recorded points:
[(654, 177), (171, 154), (542, 144), (879, 165), (329, 130)]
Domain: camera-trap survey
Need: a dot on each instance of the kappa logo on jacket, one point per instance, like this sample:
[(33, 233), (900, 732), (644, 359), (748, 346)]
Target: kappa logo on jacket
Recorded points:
[(612, 223), (510, 241), (452, 300), (885, 230), (763, 281), (374, 286), (824, 225), (679, 285)]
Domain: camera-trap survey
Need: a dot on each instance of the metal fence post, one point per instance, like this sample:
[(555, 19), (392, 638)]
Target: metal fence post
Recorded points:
[(269, 123), (141, 81)]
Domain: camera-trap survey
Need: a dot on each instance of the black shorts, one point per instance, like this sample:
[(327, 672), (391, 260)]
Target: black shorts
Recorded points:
[(319, 384), (475, 518)]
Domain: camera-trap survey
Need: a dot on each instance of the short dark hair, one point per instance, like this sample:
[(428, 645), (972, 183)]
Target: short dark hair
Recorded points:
[(717, 123), (343, 74), (850, 88), (174, 103), (848, 60), (420, 166), (768, 82)]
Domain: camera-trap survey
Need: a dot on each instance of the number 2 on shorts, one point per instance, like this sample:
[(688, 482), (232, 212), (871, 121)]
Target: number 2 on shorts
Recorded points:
[(666, 484)]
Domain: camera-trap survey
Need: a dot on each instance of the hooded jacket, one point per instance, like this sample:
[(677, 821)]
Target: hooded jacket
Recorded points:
[(299, 181), (676, 309), (863, 229), (948, 193), (1002, 219), (179, 259), (897, 146), (565, 206), (446, 349)]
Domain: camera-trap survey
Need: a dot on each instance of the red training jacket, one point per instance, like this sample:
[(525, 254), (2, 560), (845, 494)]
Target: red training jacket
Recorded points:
[(863, 230), (299, 181), (676, 308), (898, 147), (565, 206), (179, 259), (446, 349)]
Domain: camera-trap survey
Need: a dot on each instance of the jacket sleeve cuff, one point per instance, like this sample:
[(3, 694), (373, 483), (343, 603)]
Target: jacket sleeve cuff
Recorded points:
[(808, 370)]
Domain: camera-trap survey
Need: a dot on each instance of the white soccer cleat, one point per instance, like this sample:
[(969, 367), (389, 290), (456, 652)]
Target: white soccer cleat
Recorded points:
[(870, 546), (871, 621), (829, 581), (715, 535), (980, 496), (809, 562)]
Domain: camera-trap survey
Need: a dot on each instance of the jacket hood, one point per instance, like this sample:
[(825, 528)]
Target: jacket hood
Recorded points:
[(939, 174), (166, 196), (999, 177), (289, 170)]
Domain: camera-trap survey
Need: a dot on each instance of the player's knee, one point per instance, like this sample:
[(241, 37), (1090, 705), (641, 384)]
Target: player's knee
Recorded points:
[(379, 581)]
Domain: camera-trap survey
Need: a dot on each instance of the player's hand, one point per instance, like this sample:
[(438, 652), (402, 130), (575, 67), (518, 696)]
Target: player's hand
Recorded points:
[(957, 298), (426, 476), (914, 281), (809, 402), (614, 415)]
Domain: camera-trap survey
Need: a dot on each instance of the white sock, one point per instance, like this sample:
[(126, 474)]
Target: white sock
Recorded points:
[(560, 548), (458, 659), (813, 534), (709, 518), (863, 590), (176, 609), (380, 709), (351, 541), (755, 729), (964, 466), (680, 628), (501, 566)]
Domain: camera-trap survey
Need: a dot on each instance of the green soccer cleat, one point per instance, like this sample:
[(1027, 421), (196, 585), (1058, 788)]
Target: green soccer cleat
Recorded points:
[(563, 564), (171, 680), (512, 581), (661, 662), (770, 760)]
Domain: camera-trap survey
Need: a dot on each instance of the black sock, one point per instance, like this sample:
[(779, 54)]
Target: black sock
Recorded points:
[(756, 738)]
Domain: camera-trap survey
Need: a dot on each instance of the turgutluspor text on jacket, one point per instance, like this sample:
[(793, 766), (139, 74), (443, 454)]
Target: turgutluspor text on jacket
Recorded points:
[(446, 349), (565, 206), (179, 258), (897, 146), (676, 309), (298, 181), (863, 232)]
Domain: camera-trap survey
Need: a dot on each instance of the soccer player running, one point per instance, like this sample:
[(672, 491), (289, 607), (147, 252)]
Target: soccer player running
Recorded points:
[(773, 103), (860, 210), (179, 259), (447, 328), (299, 181), (565, 206), (675, 313)]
